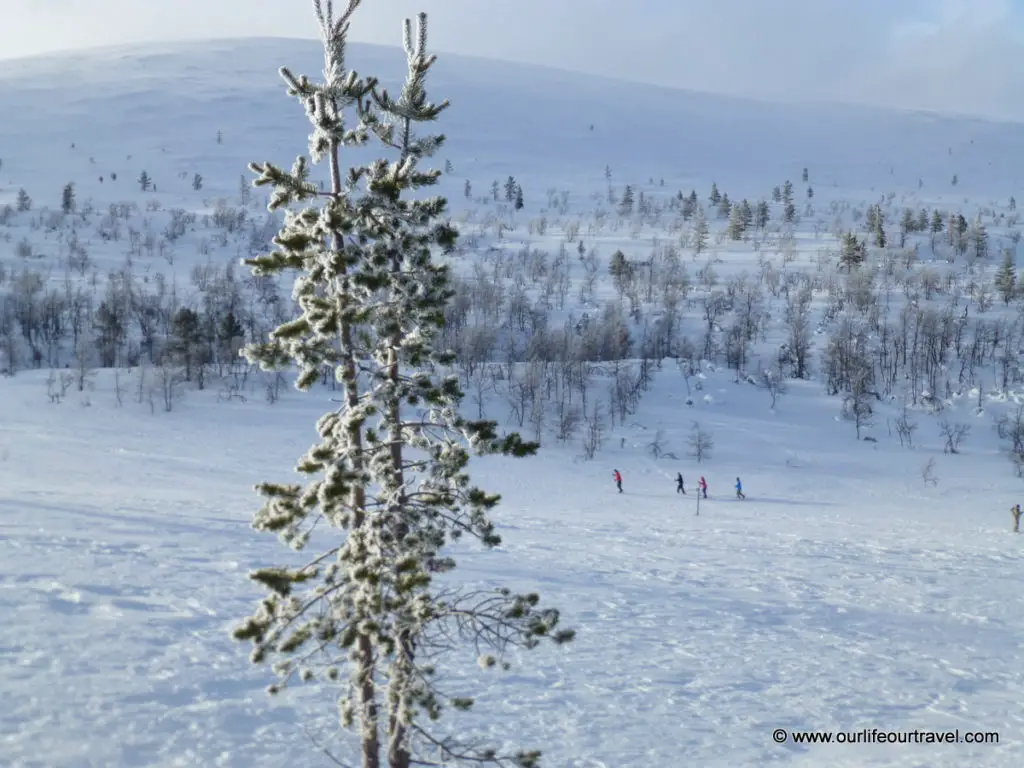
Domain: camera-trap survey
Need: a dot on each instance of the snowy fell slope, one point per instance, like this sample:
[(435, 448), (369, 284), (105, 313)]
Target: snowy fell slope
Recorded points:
[(506, 119)]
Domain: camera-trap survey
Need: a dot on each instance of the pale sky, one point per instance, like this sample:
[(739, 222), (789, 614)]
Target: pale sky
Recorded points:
[(962, 56)]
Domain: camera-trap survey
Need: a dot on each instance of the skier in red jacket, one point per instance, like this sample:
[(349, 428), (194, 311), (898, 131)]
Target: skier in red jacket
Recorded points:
[(618, 479)]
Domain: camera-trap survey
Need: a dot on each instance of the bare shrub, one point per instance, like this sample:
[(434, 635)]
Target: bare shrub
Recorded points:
[(954, 434), (928, 474), (701, 443), (593, 435), (905, 429)]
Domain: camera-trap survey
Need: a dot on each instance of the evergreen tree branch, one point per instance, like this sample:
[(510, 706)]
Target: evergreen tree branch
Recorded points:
[(371, 301)]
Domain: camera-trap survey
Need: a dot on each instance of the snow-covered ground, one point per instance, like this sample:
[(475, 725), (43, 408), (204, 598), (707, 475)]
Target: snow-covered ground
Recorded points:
[(844, 593)]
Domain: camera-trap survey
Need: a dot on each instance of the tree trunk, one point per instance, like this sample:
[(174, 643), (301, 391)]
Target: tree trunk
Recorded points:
[(366, 663), (398, 748)]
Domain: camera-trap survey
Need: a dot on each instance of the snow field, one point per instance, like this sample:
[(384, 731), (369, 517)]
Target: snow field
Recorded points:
[(822, 602)]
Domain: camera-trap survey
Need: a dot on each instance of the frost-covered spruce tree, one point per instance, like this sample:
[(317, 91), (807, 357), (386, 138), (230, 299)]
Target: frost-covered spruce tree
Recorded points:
[(387, 484)]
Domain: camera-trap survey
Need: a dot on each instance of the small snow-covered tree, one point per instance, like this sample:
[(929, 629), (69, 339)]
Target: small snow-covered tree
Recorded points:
[(737, 225), (774, 384), (244, 191), (186, 345), (978, 237), (1006, 277), (700, 233), (852, 252), (762, 214), (657, 445), (67, 198), (168, 382), (688, 367), (928, 473), (621, 271), (83, 371), (594, 431), (627, 202), (953, 435), (145, 182), (857, 407), (905, 428), (22, 202), (724, 207), (389, 471), (908, 223), (1011, 429), (789, 212), (700, 443)]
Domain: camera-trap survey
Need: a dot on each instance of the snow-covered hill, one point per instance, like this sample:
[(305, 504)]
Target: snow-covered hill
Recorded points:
[(862, 584), (164, 104)]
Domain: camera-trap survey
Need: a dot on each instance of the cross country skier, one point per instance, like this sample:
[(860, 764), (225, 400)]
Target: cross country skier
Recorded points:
[(679, 483), (618, 479), (702, 486), (739, 489), (1015, 511)]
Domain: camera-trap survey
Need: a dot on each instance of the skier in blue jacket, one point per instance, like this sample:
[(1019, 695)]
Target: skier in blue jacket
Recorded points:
[(739, 489)]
